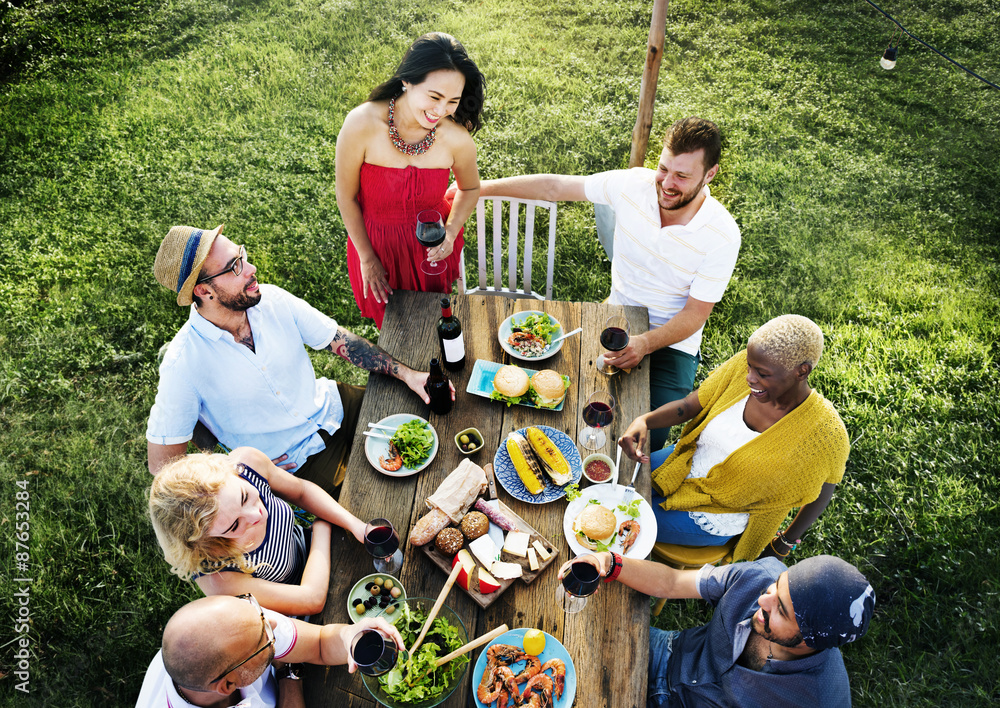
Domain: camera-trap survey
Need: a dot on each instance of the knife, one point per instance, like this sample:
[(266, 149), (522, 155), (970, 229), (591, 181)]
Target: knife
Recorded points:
[(495, 532)]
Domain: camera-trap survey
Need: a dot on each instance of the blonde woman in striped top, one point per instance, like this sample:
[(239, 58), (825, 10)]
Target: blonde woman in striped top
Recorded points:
[(225, 521)]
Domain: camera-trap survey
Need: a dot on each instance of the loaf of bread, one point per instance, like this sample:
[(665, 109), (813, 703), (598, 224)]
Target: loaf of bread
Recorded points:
[(428, 526)]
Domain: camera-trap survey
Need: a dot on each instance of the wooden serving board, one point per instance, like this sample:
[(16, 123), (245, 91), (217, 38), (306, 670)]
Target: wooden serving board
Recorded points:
[(444, 562)]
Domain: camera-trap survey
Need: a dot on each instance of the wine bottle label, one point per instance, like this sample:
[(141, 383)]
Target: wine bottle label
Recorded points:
[(454, 349)]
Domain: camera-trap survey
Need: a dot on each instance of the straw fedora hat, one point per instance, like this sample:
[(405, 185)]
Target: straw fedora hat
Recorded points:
[(179, 260)]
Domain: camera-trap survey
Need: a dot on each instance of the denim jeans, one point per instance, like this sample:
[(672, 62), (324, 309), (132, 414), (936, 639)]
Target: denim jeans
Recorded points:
[(661, 644), (677, 526)]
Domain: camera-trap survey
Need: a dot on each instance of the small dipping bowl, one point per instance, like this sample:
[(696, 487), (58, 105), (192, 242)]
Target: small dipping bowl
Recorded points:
[(475, 437), (599, 476)]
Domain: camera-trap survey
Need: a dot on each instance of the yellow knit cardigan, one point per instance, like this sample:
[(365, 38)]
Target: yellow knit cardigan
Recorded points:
[(782, 468)]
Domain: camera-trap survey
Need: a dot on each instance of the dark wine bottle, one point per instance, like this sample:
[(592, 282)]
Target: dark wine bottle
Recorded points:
[(450, 335), (438, 389)]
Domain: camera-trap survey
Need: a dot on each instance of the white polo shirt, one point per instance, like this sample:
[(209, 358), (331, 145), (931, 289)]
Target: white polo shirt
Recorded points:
[(158, 689), (269, 399), (659, 268)]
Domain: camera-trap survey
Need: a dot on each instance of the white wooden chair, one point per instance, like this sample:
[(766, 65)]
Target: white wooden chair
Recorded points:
[(513, 238)]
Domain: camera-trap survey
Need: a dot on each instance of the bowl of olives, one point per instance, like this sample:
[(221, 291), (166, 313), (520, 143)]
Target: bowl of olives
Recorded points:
[(469, 441), (373, 595)]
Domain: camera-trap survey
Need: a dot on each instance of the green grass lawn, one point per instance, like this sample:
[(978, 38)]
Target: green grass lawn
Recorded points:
[(868, 201)]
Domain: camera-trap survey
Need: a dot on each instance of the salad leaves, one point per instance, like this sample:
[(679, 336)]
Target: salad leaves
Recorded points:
[(418, 680), (539, 325), (414, 440)]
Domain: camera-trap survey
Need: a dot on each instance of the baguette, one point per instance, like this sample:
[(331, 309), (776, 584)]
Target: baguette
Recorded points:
[(428, 526)]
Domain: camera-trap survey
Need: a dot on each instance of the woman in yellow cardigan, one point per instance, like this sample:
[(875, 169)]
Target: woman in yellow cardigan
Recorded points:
[(758, 443)]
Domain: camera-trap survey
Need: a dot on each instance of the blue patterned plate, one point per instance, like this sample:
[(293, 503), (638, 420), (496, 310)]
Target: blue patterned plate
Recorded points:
[(511, 481)]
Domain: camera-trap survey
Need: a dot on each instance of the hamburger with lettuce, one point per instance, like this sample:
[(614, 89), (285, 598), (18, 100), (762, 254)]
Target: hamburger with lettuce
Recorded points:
[(595, 527)]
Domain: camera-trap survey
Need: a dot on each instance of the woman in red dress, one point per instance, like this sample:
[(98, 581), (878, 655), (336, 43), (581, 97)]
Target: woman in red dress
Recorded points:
[(394, 156)]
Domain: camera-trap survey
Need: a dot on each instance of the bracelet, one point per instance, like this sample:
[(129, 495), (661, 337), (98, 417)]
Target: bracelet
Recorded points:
[(616, 567), (777, 552), (791, 546), (289, 671)]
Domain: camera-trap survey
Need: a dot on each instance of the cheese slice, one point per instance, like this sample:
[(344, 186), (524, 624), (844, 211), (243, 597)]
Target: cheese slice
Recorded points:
[(517, 543), (485, 550), (506, 571), (532, 559), (542, 553)]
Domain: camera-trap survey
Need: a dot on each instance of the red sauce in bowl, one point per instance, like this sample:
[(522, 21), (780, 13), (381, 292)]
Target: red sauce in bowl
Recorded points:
[(598, 470)]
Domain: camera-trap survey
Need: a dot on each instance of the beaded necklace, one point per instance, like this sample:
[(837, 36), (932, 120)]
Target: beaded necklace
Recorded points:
[(404, 147)]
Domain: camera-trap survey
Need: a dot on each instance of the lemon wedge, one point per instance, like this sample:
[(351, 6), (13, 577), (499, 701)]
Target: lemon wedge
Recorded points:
[(534, 642)]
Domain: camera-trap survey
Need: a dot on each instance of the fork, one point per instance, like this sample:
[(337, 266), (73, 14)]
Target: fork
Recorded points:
[(630, 489)]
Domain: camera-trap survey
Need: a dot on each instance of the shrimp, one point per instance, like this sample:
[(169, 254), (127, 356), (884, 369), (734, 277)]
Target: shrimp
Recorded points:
[(534, 665), (631, 528), (541, 684), (502, 654), (506, 677), (489, 689), (558, 674), (395, 460)]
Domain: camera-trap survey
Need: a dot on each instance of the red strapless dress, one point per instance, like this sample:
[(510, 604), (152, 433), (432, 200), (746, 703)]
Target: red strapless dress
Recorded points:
[(390, 199)]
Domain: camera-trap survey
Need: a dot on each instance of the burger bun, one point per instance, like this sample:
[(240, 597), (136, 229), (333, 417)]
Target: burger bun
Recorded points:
[(595, 524), (550, 389), (511, 381)]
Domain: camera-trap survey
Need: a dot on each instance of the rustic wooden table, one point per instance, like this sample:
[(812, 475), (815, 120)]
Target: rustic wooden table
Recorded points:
[(609, 639)]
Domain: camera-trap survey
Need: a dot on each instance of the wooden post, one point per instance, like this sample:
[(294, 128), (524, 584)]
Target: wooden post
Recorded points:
[(647, 90)]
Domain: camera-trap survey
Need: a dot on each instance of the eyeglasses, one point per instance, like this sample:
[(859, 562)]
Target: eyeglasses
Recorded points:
[(236, 267), (265, 631)]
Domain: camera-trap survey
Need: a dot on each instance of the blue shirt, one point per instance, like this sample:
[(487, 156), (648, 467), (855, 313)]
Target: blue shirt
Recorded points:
[(269, 398), (703, 669)]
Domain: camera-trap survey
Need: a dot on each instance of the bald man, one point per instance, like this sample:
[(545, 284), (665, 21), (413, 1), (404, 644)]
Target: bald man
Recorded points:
[(218, 651)]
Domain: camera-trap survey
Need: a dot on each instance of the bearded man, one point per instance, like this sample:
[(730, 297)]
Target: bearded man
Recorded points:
[(673, 248), (238, 373)]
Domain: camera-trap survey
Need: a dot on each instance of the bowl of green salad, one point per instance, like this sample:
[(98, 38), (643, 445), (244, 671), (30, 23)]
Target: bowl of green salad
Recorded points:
[(400, 445), (417, 683)]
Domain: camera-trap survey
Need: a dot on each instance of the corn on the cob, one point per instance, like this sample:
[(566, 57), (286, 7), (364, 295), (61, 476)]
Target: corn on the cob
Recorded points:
[(551, 457), (529, 469)]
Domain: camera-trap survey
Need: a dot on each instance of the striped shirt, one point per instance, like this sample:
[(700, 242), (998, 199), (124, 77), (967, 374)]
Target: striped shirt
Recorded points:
[(660, 267), (281, 556)]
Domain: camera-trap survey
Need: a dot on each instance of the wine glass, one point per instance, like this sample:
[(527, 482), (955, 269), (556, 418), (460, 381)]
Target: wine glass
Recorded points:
[(430, 233), (614, 338), (598, 413), (580, 582), (374, 652), (382, 541)]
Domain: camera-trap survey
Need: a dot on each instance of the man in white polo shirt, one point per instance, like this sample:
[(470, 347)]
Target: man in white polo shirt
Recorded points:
[(675, 248), (217, 651)]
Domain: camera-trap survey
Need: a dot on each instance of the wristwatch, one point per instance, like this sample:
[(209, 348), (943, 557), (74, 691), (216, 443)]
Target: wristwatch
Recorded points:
[(290, 671)]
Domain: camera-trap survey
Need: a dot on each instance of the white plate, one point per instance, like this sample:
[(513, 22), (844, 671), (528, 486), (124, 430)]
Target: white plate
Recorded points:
[(511, 481), (358, 592), (379, 446), (608, 495), (553, 650), (505, 329)]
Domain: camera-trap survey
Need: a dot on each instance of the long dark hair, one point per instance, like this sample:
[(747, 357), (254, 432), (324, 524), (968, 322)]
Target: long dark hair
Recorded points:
[(431, 52)]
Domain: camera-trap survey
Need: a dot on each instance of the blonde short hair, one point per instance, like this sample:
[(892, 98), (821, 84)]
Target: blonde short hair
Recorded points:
[(183, 505), (789, 340)]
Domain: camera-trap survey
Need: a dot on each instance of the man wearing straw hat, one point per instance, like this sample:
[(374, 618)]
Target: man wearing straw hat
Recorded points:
[(238, 368), (219, 649)]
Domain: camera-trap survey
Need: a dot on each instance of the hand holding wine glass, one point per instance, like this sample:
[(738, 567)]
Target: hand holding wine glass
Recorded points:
[(580, 581), (598, 413), (431, 233), (614, 338), (382, 542)]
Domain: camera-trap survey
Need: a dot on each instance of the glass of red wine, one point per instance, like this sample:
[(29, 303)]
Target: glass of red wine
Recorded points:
[(430, 233), (614, 338), (382, 542), (580, 582), (374, 652), (598, 413)]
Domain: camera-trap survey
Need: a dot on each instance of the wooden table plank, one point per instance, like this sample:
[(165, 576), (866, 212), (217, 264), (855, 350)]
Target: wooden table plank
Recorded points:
[(609, 639)]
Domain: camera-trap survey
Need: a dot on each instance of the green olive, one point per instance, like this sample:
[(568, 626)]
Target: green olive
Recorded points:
[(388, 584), (464, 439), (360, 608), (390, 609), (378, 581)]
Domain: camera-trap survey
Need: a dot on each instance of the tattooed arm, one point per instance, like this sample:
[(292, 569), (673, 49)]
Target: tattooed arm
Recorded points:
[(365, 355)]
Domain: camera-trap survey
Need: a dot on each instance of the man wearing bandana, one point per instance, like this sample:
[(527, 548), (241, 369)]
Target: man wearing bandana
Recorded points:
[(773, 638)]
